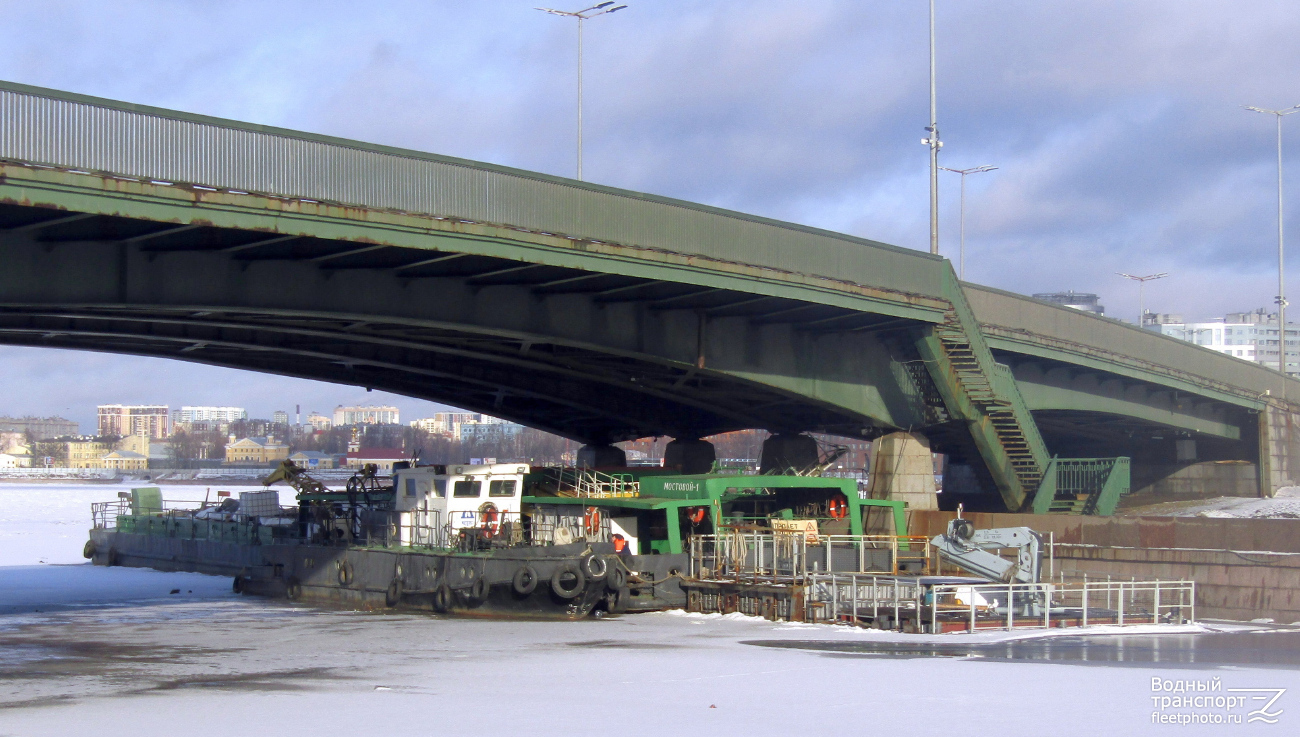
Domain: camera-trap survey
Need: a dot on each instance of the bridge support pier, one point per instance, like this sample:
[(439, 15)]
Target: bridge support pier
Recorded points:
[(784, 451), (902, 468), (690, 456), (601, 456)]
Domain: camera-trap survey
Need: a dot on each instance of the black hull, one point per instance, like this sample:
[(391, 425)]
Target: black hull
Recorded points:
[(478, 583)]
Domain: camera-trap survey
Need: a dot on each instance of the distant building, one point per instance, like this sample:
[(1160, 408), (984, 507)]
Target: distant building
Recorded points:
[(124, 460), (8, 461), (42, 428), (310, 459), (280, 417), (213, 416), (319, 421), (152, 420), (1082, 301), (486, 432), (1161, 318), (432, 425), (13, 442), (384, 458), (85, 453), (366, 416), (1250, 336), (260, 451), (151, 449), (446, 423)]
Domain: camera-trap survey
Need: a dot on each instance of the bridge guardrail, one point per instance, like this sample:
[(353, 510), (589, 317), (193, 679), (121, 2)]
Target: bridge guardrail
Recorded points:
[(96, 135)]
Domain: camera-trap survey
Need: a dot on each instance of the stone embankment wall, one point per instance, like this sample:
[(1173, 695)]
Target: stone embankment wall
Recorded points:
[(1243, 568)]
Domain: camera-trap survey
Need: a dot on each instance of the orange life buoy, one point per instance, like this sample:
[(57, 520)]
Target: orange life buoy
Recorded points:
[(489, 517), (591, 520), (698, 514), (839, 507)]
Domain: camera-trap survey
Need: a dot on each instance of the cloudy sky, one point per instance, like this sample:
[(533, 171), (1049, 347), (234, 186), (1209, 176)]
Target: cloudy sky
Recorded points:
[(1117, 128)]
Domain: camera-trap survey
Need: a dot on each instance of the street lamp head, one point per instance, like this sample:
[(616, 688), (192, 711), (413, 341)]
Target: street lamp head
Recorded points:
[(1284, 111), (582, 14), (973, 170), (1146, 278)]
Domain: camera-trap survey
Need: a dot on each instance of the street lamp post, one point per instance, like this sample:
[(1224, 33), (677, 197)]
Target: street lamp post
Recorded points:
[(961, 262), (1281, 267), (581, 15), (935, 144), (1142, 297)]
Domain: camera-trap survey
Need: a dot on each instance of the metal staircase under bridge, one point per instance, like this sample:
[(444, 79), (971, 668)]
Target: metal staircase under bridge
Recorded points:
[(984, 393)]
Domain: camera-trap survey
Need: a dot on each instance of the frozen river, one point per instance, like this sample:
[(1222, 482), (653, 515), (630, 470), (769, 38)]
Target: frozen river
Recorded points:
[(114, 651)]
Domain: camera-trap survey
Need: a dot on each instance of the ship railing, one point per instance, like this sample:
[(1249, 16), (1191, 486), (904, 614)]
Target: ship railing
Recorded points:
[(481, 530), (885, 602), (890, 602), (105, 514), (563, 524), (779, 557)]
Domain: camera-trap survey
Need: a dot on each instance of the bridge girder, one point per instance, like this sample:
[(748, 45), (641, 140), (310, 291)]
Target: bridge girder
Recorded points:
[(593, 356), (588, 339)]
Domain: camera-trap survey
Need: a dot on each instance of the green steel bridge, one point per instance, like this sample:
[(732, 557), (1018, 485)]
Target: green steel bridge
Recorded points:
[(592, 312)]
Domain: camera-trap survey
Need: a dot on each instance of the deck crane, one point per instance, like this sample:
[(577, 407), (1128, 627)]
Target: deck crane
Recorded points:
[(969, 549)]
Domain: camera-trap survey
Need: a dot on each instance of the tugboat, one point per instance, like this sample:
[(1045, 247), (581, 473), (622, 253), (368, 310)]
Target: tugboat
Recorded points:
[(501, 539)]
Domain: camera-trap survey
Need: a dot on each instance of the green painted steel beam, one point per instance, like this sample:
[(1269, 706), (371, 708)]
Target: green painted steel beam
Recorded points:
[(1166, 377), (89, 193), (1040, 397)]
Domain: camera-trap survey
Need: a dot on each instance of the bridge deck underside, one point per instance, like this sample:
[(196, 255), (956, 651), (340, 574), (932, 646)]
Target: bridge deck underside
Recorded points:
[(306, 307)]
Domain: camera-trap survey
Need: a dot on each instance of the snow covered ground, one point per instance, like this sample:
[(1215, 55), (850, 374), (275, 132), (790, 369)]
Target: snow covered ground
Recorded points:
[(1285, 504), (117, 651)]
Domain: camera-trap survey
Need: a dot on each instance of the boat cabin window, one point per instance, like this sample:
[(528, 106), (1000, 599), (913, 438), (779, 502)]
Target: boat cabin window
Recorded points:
[(440, 488), (410, 487), (467, 487), (502, 487)]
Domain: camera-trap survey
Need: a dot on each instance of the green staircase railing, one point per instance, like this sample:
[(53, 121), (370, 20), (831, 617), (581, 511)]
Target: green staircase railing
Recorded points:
[(1083, 486)]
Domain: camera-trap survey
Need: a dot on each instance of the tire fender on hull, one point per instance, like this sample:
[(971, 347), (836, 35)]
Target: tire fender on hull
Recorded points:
[(525, 580), (568, 570)]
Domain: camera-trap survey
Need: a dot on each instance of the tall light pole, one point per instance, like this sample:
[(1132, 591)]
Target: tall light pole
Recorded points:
[(935, 144), (1281, 266), (1142, 297), (961, 262), (582, 15)]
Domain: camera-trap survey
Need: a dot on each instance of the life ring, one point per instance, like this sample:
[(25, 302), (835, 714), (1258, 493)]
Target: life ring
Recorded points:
[(525, 580), (591, 520), (617, 577), (838, 507), (697, 515), (88, 550), (442, 599), (393, 595), (557, 581), (489, 519), (595, 567)]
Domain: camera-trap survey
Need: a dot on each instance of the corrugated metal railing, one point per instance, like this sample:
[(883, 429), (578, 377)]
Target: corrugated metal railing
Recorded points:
[(82, 133)]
